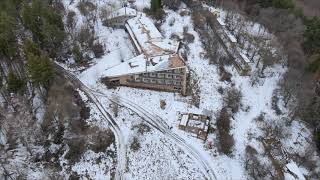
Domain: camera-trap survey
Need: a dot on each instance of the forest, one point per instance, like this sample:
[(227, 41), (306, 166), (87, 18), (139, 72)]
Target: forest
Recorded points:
[(41, 108)]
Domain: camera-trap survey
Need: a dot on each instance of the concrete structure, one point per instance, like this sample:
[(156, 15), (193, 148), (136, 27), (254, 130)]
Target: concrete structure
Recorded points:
[(228, 42), (196, 124), (158, 65)]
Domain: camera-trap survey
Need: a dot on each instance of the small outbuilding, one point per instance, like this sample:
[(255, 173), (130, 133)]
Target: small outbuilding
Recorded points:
[(196, 124)]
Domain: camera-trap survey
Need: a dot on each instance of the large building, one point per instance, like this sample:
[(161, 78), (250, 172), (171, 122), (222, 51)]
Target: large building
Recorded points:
[(158, 65)]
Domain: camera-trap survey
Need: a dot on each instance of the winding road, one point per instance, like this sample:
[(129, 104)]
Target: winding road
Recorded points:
[(121, 148), (151, 118), (160, 124)]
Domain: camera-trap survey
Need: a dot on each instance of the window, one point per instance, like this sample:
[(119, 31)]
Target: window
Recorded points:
[(169, 76), (168, 82), (145, 80), (160, 81), (177, 82), (115, 82), (160, 75), (177, 76), (153, 81), (177, 71), (152, 75), (137, 78)]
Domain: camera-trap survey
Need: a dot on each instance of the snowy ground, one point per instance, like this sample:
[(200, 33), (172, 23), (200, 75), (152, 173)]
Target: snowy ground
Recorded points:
[(158, 157)]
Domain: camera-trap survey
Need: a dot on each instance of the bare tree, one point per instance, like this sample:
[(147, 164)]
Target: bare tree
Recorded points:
[(172, 4), (71, 22), (254, 167)]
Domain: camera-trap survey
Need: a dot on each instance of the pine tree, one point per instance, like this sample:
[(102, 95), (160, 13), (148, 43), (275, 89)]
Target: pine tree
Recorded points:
[(39, 66), (14, 83), (32, 18), (40, 69), (46, 26), (312, 35), (10, 6), (78, 56), (155, 5), (52, 39), (7, 35), (31, 48)]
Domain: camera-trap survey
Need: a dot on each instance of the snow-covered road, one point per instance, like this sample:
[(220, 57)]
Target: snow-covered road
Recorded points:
[(151, 118), (121, 147), (161, 125)]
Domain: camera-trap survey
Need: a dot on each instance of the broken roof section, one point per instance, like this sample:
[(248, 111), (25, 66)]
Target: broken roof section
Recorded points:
[(142, 63), (156, 52), (148, 39), (125, 11)]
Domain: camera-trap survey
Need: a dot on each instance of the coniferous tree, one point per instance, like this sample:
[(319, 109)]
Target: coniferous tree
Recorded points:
[(7, 35), (39, 66), (31, 48), (155, 5), (15, 84), (10, 6), (156, 9), (46, 26), (40, 69), (32, 18), (312, 35)]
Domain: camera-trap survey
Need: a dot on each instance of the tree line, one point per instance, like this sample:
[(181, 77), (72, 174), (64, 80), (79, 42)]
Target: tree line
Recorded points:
[(31, 32), (299, 34)]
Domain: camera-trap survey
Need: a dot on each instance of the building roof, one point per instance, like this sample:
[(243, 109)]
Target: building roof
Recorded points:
[(184, 120), (125, 11), (143, 63), (147, 37), (156, 52), (195, 121)]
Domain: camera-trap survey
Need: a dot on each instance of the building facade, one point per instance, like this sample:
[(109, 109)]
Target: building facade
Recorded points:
[(171, 80), (158, 65)]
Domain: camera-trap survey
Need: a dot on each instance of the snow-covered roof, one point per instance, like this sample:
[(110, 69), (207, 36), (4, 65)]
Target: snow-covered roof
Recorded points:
[(220, 21), (196, 123), (156, 52), (143, 63), (230, 36), (147, 37), (245, 58), (294, 172), (125, 11), (184, 120)]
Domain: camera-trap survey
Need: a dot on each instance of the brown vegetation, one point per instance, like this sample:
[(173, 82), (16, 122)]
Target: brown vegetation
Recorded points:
[(226, 141)]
